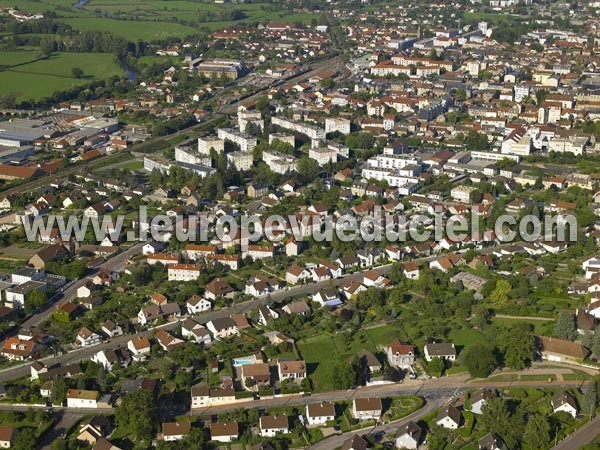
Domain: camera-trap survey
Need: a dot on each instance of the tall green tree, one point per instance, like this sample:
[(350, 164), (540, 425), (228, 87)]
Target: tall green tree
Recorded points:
[(480, 360), (517, 346), (499, 295), (537, 431), (137, 412), (590, 397), (496, 417), (565, 327)]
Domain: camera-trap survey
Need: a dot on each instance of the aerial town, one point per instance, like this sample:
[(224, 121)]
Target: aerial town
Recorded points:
[(299, 225)]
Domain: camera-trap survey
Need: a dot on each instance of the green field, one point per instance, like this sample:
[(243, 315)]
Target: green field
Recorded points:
[(132, 30), (29, 77)]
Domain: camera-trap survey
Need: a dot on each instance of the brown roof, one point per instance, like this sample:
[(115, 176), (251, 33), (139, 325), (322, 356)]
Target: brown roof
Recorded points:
[(256, 370), (224, 429), (175, 428), (292, 367), (321, 409), (400, 348), (563, 347), (356, 442), (6, 434), (368, 404), (276, 421), (140, 342), (450, 412), (18, 171)]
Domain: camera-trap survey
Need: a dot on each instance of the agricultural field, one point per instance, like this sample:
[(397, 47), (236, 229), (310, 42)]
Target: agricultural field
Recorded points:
[(28, 76), (132, 30)]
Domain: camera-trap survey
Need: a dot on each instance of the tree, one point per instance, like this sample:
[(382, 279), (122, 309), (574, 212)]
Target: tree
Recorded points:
[(537, 431), (59, 391), (25, 439), (596, 344), (46, 46), (436, 367), (499, 295), (517, 346), (59, 444), (346, 374), (565, 327), (480, 360), (77, 72), (138, 413), (497, 418), (308, 168), (35, 299), (481, 315), (590, 397)]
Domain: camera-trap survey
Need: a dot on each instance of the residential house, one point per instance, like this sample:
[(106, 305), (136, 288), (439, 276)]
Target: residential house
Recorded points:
[(203, 396), (399, 354), (564, 402), (224, 327), (327, 297), (479, 399), (7, 436), (17, 349), (449, 418), (218, 288), (111, 329), (367, 408), (139, 347), (175, 431), (78, 398), (291, 370), (370, 362), (153, 313), (320, 413), (491, 442), (190, 329), (224, 432), (273, 425), (254, 374), (184, 272), (196, 304), (167, 341), (356, 442), (87, 338), (297, 307), (409, 436), (265, 314), (446, 351), (296, 274)]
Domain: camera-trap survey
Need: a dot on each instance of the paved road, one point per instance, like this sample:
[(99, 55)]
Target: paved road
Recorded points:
[(118, 260), (582, 436), (114, 263), (66, 419), (337, 441)]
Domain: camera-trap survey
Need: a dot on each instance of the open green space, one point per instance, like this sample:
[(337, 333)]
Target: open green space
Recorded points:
[(132, 30), (29, 77)]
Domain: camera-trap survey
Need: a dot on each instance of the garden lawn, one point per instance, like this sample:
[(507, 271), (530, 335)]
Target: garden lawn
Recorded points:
[(321, 356)]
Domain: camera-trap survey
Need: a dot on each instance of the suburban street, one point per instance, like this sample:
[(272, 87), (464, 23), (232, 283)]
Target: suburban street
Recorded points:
[(582, 436)]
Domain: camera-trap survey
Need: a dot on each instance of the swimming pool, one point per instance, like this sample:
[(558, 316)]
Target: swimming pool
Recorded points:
[(243, 361)]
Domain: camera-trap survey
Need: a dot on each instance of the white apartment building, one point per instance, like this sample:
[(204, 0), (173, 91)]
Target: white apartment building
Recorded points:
[(244, 141), (242, 161), (323, 155), (183, 272), (333, 124), (208, 142), (311, 131), (279, 163)]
